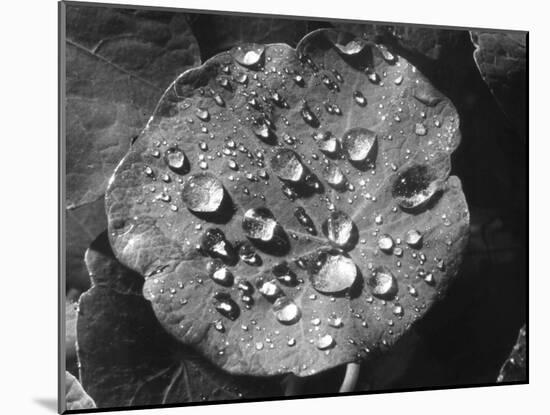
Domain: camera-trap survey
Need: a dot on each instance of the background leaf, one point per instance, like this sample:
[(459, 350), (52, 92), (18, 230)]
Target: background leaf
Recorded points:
[(218, 32), (118, 63), (127, 359), (502, 60), (154, 234), (514, 368)]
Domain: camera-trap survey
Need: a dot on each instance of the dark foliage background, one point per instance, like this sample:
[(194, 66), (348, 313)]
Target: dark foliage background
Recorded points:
[(461, 341)]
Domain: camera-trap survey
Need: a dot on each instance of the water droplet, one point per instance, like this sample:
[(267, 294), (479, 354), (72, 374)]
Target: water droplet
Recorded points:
[(291, 342), (335, 322), (259, 223), (382, 283), (202, 114), (326, 142), (337, 76), (218, 325), (286, 311), (219, 100), (203, 192), (213, 242), (385, 243), (284, 274), (414, 187), (286, 165), (308, 116), (398, 310), (386, 54), (248, 54), (334, 176), (325, 342), (358, 143), (268, 288), (413, 238), (340, 228), (219, 273), (176, 160), (259, 346), (425, 96), (333, 273), (372, 75), (248, 254), (360, 98), (225, 305), (420, 129), (304, 219), (398, 80)]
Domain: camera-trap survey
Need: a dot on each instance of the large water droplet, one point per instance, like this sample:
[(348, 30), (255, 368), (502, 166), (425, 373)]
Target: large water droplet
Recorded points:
[(333, 273), (176, 160), (382, 283), (203, 192), (226, 306), (339, 228), (286, 165), (286, 311), (358, 143), (203, 114), (259, 223), (248, 54), (414, 187)]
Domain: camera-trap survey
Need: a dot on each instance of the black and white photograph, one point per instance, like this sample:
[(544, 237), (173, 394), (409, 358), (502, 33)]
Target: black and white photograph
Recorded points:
[(262, 207)]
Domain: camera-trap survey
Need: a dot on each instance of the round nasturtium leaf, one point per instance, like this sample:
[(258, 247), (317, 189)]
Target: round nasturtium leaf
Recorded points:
[(328, 266)]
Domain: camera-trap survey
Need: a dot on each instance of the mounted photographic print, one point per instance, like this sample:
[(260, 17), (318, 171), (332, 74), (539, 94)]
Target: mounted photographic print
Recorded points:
[(259, 207)]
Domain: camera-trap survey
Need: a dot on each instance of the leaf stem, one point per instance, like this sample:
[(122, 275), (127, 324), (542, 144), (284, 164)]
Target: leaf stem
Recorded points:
[(350, 378)]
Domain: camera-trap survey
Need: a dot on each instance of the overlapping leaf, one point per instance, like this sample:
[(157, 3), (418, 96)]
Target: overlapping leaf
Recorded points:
[(125, 356), (118, 63), (502, 60), (230, 120), (76, 397), (514, 368)]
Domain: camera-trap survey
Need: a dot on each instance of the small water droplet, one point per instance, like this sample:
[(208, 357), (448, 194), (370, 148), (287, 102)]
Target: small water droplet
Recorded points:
[(420, 129), (203, 192), (335, 322), (385, 243), (325, 342), (286, 311), (248, 254), (413, 238), (304, 219), (176, 160), (225, 305), (202, 114), (213, 242), (308, 116), (284, 274), (268, 288), (360, 98), (219, 273)]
